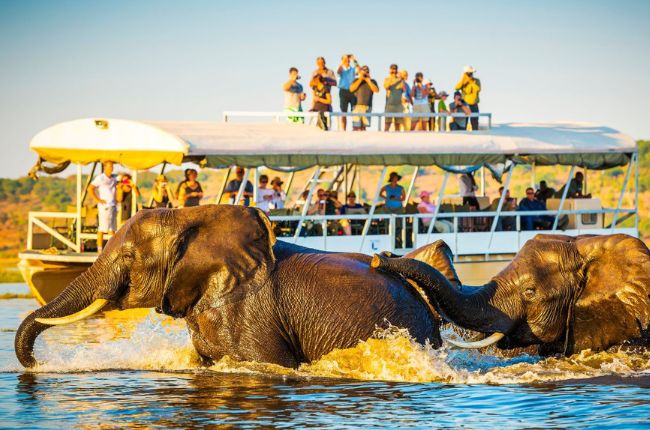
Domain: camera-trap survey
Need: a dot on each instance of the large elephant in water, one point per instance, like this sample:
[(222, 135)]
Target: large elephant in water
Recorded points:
[(562, 293), (241, 293)]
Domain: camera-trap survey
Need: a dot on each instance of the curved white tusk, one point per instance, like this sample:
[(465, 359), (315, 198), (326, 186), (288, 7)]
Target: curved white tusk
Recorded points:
[(494, 338), (93, 308)]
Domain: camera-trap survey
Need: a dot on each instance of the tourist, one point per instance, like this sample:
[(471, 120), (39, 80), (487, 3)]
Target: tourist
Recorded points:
[(235, 184), (505, 223), (279, 196), (575, 188), (442, 109), (300, 203), (103, 188), (190, 193), (363, 88), (467, 190), (534, 222), (470, 88), (162, 195), (322, 100), (433, 96), (544, 192), (407, 100), (393, 194), (351, 205), (293, 95), (264, 194), (420, 98), (124, 196), (427, 207), (321, 69), (347, 72), (395, 88), (458, 106), (320, 205)]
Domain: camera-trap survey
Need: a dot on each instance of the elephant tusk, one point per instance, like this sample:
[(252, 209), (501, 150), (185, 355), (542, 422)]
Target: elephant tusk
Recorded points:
[(494, 338), (93, 308)]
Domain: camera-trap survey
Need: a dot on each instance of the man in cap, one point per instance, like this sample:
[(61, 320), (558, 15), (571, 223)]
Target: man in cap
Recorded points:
[(442, 108), (470, 88), (363, 89), (395, 88)]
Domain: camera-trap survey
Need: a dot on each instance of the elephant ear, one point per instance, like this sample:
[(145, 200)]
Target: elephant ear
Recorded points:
[(226, 255), (439, 256), (614, 305)]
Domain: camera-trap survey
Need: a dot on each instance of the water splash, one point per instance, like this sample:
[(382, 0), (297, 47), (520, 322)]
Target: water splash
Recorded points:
[(391, 355)]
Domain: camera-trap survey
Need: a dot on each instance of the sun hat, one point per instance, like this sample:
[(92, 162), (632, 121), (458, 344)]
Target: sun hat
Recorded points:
[(424, 194), (392, 175), (443, 94), (277, 180), (469, 69)]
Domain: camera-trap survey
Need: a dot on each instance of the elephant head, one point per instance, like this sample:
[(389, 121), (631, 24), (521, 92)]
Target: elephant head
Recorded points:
[(564, 294), (176, 260)]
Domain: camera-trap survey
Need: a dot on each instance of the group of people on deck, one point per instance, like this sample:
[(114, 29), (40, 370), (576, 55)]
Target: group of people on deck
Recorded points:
[(357, 87)]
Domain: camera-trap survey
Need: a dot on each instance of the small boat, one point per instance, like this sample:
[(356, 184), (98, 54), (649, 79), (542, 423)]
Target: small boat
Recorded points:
[(60, 244)]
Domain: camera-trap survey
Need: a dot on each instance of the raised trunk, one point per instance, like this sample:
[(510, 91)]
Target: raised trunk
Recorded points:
[(79, 294), (468, 307)]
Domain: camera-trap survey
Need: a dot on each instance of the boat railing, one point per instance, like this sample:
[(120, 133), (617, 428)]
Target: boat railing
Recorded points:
[(441, 123), (398, 232)]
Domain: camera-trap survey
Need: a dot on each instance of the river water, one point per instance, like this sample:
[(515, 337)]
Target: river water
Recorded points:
[(116, 372)]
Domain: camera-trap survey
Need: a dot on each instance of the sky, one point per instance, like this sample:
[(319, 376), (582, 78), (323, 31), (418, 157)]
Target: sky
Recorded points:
[(191, 60)]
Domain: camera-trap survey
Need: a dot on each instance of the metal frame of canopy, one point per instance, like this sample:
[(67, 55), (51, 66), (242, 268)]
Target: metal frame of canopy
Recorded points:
[(220, 145)]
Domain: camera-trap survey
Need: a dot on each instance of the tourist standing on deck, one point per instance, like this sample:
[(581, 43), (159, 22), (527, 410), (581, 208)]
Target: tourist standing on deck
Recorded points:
[(279, 196), (393, 194), (470, 88), (322, 99), (235, 184), (124, 196), (467, 187), (420, 97), (545, 192), (191, 192), (293, 95), (442, 109), (458, 106), (363, 88), (407, 100), (395, 88), (103, 188), (321, 69), (347, 72), (162, 195), (264, 195)]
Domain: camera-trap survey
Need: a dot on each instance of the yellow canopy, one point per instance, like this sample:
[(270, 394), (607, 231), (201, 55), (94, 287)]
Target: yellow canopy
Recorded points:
[(133, 144)]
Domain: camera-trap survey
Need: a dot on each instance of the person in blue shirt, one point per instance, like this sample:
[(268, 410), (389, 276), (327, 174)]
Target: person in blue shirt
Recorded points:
[(347, 72), (233, 188), (393, 194), (534, 222)]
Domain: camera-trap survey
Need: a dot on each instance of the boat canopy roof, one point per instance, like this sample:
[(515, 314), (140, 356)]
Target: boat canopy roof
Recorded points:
[(142, 145)]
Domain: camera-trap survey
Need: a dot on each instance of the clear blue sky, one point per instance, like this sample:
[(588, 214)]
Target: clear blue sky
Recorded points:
[(537, 60)]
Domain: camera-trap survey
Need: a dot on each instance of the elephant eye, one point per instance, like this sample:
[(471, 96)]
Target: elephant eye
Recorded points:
[(529, 293)]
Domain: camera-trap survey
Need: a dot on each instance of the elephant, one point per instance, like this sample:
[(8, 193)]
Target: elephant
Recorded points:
[(561, 294), (241, 292)]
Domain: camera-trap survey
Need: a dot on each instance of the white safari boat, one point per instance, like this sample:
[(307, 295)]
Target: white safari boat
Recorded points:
[(59, 245)]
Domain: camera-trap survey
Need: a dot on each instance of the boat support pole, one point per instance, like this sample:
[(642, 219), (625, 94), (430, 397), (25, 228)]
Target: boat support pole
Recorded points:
[(623, 188), (88, 181), (305, 207), (495, 221), (366, 226), (134, 194), (242, 187), (223, 185), (78, 220), (636, 196), (441, 195), (256, 183), (563, 199), (411, 185), (286, 190)]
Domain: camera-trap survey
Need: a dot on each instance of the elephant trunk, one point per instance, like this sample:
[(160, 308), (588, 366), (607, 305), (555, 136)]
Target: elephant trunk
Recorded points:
[(467, 307), (77, 297)]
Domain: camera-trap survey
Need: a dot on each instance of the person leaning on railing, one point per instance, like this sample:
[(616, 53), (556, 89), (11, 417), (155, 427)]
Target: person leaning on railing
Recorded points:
[(393, 194), (363, 88), (322, 99), (470, 88)]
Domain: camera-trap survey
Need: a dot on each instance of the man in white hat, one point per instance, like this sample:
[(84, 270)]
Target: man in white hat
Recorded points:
[(470, 88)]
